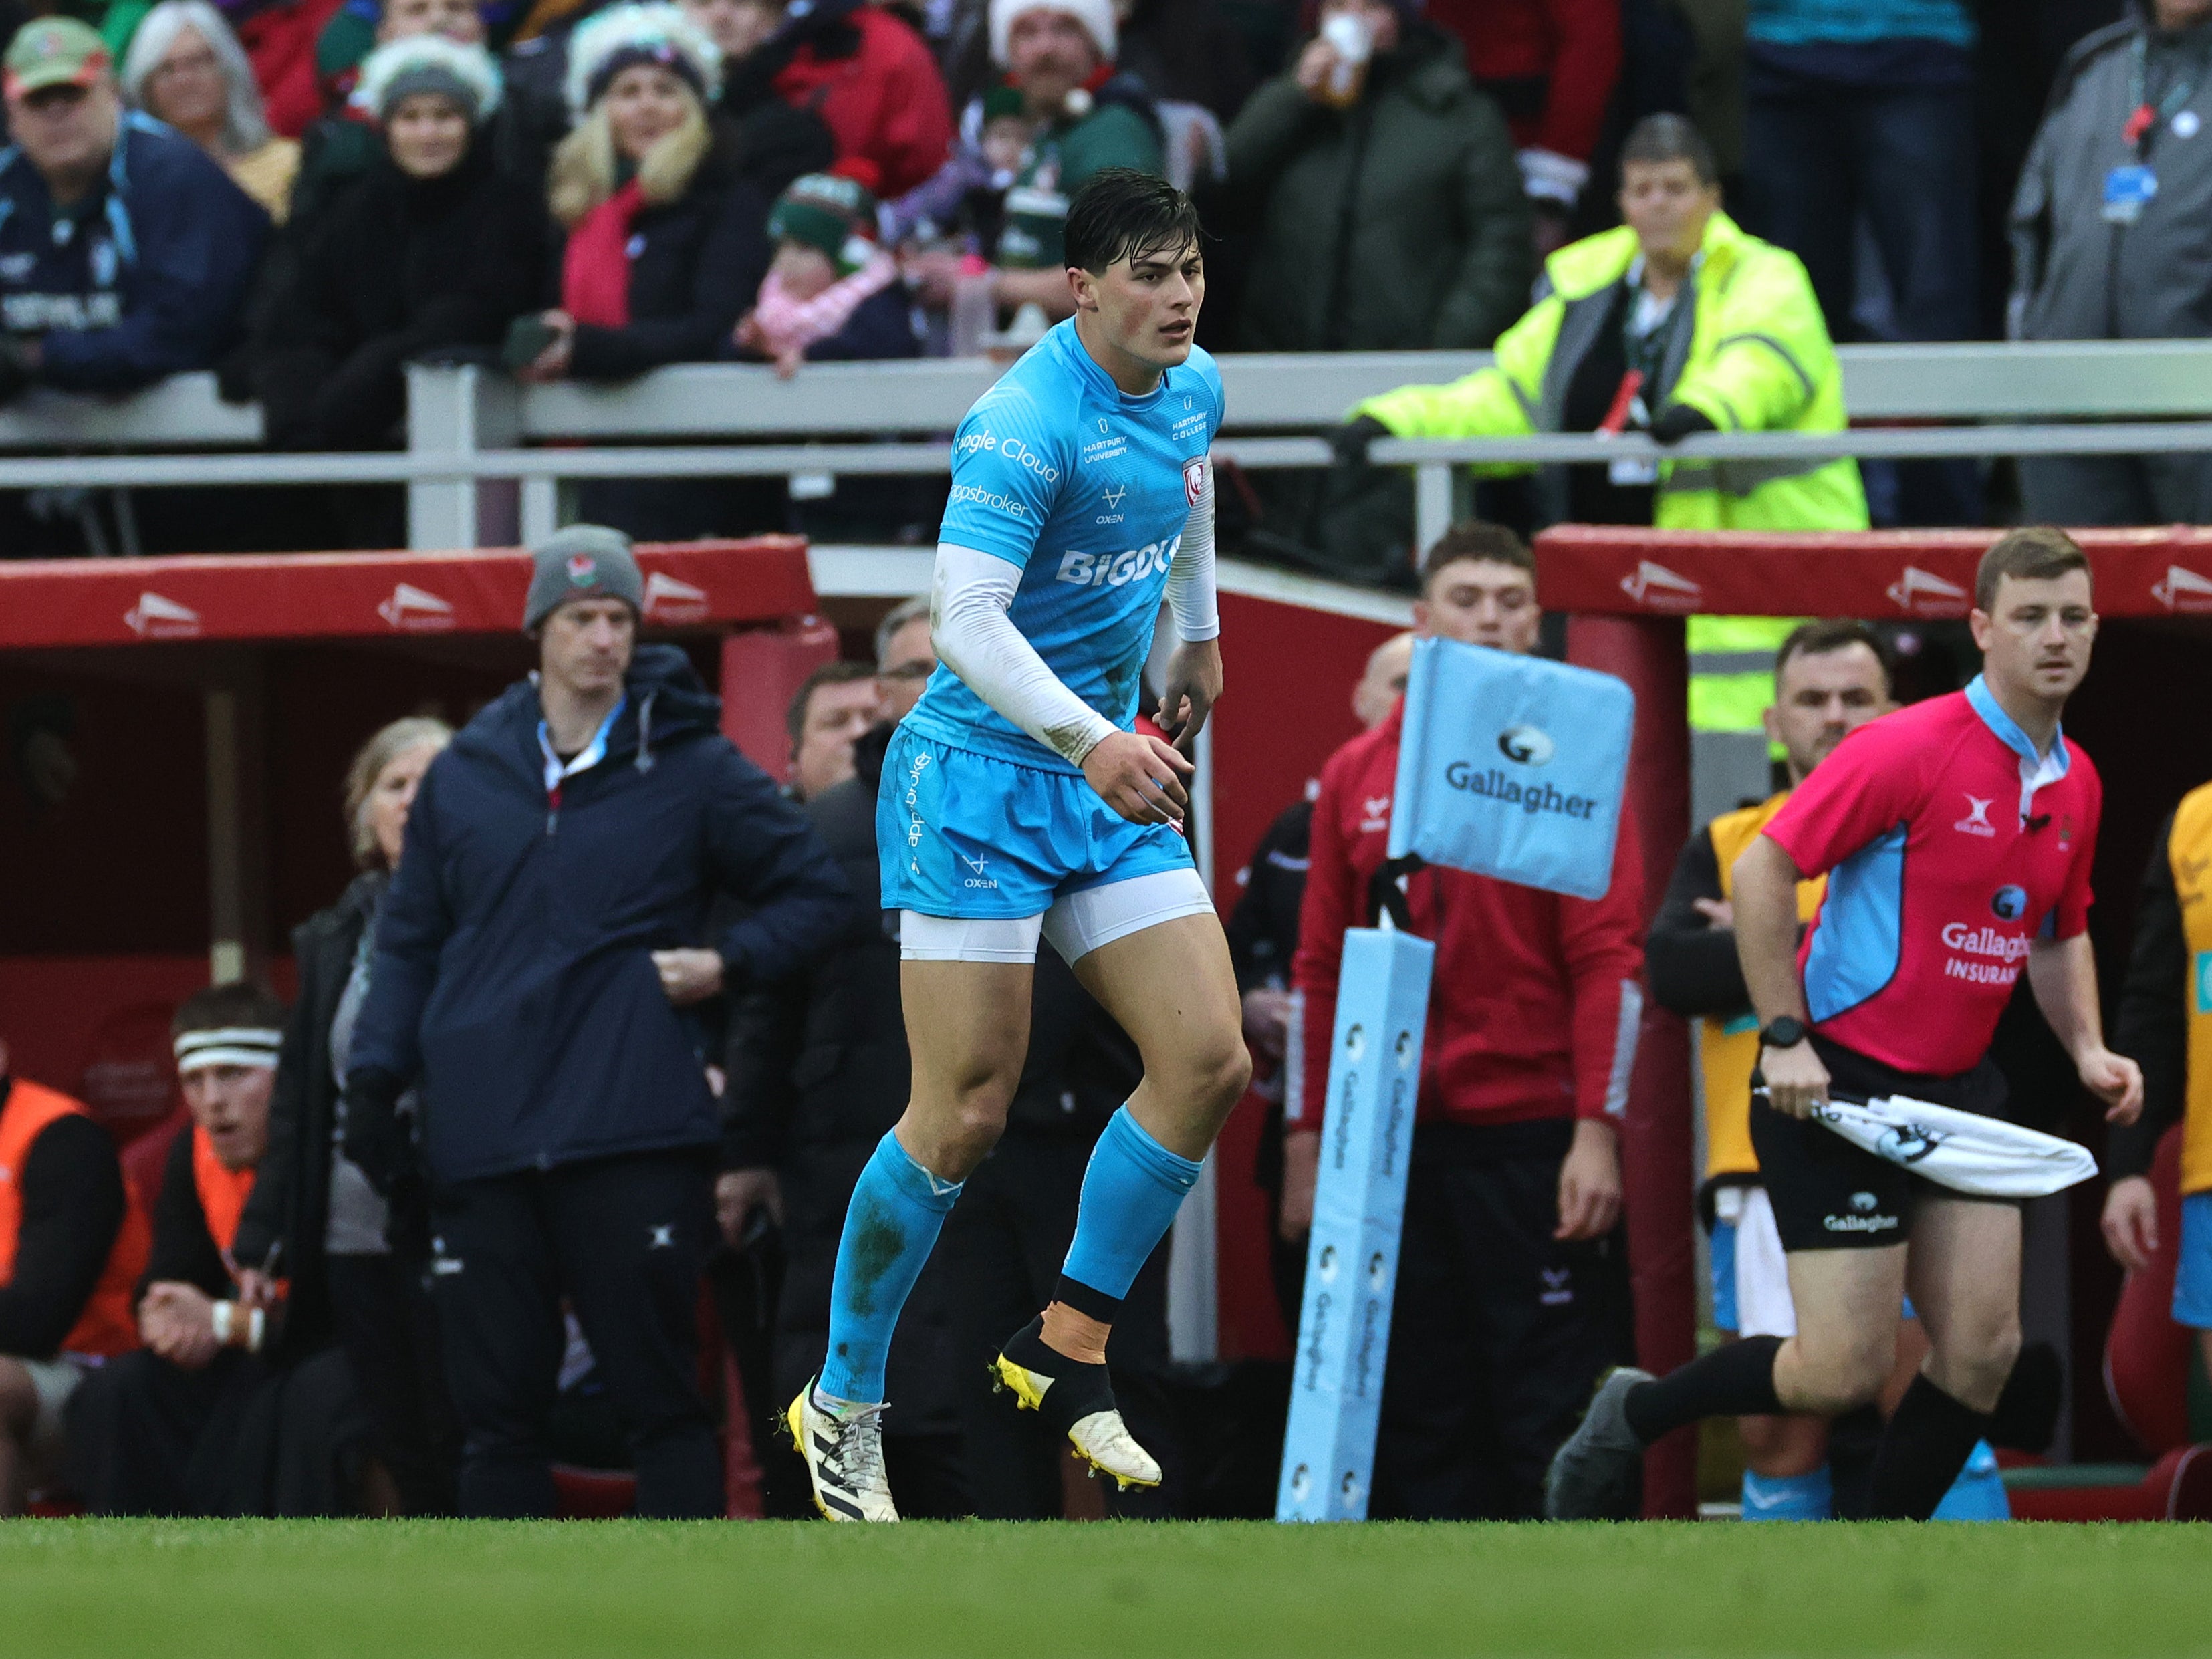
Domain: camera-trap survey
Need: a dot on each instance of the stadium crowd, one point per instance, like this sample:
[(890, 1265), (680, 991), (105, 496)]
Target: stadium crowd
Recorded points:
[(258, 188)]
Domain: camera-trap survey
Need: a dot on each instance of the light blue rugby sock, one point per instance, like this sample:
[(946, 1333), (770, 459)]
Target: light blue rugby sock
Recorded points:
[(1130, 1192), (893, 1220), (1787, 1496)]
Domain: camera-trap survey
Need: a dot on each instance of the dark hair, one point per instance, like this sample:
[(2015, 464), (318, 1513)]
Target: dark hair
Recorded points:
[(1473, 539), (221, 1006), (2035, 553), (1123, 213), (1818, 639), (831, 673), (1658, 138)]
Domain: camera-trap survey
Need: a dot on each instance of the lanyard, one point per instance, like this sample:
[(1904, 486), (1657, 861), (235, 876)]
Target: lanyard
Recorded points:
[(1644, 355), (2143, 117), (557, 770)]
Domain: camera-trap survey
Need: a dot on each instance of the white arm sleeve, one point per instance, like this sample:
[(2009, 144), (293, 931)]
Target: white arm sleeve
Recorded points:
[(1190, 578), (976, 639)]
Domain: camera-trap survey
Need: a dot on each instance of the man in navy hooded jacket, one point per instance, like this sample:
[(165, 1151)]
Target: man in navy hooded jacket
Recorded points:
[(125, 252), (537, 966)]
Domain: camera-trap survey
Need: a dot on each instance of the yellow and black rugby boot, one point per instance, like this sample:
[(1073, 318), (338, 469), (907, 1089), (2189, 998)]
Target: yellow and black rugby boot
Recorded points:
[(1078, 1400), (843, 1445)]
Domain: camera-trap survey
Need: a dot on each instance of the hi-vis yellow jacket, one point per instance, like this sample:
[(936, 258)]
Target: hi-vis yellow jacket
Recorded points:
[(1758, 360)]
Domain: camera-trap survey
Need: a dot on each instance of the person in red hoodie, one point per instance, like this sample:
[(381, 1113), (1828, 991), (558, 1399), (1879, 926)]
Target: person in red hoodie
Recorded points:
[(871, 80), (1509, 1277), (1552, 65)]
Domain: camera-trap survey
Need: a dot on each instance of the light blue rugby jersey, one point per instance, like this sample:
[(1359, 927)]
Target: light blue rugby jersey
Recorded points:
[(1086, 490)]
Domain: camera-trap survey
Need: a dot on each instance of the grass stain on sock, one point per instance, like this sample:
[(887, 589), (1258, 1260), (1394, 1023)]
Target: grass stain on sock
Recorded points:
[(878, 1244)]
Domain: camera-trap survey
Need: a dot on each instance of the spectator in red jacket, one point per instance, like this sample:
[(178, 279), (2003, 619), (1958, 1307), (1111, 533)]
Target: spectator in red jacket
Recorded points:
[(1551, 64), (871, 78), (1508, 1276)]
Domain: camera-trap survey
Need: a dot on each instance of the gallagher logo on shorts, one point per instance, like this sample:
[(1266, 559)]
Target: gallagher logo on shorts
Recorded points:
[(1866, 1216), (2009, 903)]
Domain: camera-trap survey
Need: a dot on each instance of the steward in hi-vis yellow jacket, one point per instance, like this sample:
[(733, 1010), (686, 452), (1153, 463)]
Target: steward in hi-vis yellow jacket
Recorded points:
[(1755, 357)]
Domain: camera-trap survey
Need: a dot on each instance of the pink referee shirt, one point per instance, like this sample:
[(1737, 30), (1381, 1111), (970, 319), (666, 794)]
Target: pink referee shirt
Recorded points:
[(1949, 845)]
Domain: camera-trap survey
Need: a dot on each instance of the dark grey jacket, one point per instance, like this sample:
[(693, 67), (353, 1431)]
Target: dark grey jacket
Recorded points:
[(2078, 277)]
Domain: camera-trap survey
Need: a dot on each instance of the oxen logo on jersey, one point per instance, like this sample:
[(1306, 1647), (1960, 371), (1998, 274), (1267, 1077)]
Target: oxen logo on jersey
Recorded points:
[(1114, 495), (2183, 590), (1977, 821), (1194, 479), (1531, 745), (2009, 904), (1661, 589), (1919, 594), (156, 618), (416, 611)]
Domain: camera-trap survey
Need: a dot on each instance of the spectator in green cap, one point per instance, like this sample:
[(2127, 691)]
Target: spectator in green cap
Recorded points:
[(832, 292), (125, 250)]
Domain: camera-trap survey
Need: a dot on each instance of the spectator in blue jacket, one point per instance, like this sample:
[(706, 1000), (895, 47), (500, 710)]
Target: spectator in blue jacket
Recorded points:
[(539, 968), (125, 252)]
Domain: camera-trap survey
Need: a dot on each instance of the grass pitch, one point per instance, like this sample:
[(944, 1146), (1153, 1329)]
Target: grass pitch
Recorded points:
[(421, 1590)]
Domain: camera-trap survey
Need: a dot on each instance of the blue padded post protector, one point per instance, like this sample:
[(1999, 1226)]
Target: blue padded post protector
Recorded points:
[(1359, 1208)]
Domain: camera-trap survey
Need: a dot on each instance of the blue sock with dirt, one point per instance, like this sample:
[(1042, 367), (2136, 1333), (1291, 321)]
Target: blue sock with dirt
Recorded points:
[(896, 1211)]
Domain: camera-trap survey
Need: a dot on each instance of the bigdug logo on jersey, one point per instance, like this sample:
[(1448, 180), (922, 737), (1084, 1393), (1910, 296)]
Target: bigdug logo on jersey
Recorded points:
[(1114, 569), (1999, 954)]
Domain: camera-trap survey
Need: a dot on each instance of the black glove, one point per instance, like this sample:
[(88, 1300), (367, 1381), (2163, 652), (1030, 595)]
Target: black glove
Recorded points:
[(1351, 441), (373, 1139), (1678, 421)]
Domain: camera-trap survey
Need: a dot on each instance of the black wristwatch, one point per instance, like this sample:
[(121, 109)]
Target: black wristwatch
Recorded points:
[(1786, 1032)]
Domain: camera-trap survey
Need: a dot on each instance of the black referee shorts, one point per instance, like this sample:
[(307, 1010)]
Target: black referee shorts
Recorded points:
[(1828, 1195)]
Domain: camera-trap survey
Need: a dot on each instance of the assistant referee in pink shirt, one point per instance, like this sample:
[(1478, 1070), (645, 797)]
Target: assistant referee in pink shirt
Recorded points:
[(1957, 836)]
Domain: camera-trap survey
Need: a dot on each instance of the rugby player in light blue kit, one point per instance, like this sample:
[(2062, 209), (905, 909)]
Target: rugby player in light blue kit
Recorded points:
[(1018, 804)]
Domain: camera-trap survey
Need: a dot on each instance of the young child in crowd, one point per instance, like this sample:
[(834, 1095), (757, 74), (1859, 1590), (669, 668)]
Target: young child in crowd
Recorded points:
[(833, 292)]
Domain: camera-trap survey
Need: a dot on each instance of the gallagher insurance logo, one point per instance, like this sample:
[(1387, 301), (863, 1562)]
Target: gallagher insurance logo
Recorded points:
[(156, 618), (668, 600), (413, 610), (1661, 589), (2183, 590), (1918, 593)]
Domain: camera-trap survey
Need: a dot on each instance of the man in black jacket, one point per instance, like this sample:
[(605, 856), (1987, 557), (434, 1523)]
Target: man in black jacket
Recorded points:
[(537, 965)]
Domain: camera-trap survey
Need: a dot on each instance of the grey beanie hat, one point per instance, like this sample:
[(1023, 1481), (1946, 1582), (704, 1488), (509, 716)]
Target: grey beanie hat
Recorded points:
[(584, 562)]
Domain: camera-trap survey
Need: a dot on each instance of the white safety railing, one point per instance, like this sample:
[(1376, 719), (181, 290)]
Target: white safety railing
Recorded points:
[(469, 427)]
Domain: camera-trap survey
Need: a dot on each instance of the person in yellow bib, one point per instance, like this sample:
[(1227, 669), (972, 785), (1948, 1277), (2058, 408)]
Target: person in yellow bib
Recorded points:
[(1831, 677), (1678, 322), (2165, 1026)]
